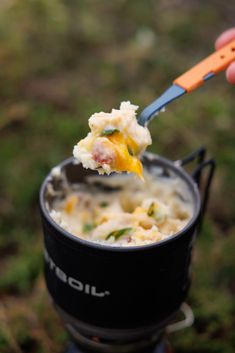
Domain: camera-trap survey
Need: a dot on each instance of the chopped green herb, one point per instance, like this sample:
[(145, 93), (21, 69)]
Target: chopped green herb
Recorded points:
[(108, 132), (150, 211), (87, 227), (118, 233), (103, 204)]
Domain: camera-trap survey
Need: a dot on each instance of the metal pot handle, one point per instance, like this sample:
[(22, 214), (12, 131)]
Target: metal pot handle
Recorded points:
[(186, 322), (196, 175), (199, 156)]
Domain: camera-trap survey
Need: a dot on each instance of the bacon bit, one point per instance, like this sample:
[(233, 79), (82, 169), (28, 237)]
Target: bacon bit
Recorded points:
[(102, 159), (102, 153), (129, 239), (87, 203)]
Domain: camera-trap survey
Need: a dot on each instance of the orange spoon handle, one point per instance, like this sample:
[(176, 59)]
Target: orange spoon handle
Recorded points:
[(213, 64)]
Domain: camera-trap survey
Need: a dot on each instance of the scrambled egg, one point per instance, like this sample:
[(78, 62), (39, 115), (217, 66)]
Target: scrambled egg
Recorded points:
[(115, 142)]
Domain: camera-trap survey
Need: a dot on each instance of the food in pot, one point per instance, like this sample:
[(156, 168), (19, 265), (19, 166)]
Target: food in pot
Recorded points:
[(115, 142), (121, 210)]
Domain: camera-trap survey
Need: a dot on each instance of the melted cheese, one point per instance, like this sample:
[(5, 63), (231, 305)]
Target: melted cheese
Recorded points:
[(124, 160), (71, 203)]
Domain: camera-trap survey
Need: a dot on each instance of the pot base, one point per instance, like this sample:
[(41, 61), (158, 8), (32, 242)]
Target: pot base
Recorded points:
[(162, 347)]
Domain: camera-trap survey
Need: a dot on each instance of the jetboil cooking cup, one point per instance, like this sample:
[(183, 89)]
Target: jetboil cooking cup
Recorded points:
[(121, 293)]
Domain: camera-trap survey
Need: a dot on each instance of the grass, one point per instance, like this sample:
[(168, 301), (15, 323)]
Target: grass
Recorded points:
[(60, 62)]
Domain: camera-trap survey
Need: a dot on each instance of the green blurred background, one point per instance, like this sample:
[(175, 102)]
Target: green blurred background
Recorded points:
[(61, 61)]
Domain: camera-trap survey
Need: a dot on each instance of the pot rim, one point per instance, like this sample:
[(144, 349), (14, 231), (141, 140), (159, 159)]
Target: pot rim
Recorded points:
[(123, 249)]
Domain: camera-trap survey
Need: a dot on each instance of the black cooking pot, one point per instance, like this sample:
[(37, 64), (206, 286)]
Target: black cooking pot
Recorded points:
[(110, 291)]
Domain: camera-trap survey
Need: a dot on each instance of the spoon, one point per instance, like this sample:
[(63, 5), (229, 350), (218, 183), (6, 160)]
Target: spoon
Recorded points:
[(190, 80)]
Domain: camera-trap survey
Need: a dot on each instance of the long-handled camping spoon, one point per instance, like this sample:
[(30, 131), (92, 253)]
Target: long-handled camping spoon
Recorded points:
[(190, 80)]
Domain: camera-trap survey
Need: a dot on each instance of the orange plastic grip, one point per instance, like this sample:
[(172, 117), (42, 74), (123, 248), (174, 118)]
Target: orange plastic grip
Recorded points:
[(214, 63)]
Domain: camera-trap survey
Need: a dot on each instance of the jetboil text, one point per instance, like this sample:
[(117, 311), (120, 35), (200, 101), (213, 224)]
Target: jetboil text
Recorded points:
[(73, 282)]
